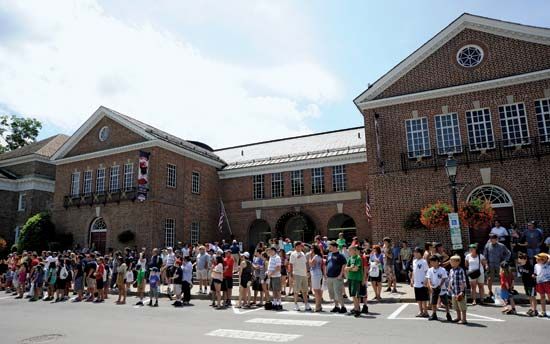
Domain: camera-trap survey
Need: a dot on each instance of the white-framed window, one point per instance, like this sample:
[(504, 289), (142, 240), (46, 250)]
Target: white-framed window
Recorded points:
[(317, 180), (87, 187), (128, 176), (195, 182), (418, 137), (513, 122), (195, 232), (22, 204), (100, 180), (469, 56), (277, 185), (114, 180), (448, 133), (339, 180), (169, 232), (170, 176), (480, 129), (75, 184), (258, 183), (542, 108), (297, 182)]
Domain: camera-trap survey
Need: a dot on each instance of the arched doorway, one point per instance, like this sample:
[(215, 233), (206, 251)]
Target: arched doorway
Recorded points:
[(341, 223), (98, 235), (296, 226), (259, 231), (501, 202)]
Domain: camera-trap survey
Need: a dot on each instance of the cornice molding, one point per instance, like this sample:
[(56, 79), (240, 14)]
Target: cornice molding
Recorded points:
[(302, 200), (25, 184), (24, 159)]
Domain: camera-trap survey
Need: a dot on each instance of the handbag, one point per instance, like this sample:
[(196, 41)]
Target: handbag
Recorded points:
[(474, 274)]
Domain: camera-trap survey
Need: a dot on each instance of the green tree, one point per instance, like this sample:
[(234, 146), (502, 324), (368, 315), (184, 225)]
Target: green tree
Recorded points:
[(16, 132), (37, 233)]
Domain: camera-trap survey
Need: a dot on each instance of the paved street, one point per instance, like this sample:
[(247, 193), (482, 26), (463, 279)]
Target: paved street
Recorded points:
[(92, 323)]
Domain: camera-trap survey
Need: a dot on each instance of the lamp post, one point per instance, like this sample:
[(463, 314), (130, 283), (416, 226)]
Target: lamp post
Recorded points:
[(451, 167)]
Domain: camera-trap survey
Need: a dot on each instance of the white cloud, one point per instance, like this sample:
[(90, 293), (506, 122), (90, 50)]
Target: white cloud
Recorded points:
[(65, 59)]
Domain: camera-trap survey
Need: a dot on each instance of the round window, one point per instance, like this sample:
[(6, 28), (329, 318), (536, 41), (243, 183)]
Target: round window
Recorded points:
[(104, 133), (469, 56)]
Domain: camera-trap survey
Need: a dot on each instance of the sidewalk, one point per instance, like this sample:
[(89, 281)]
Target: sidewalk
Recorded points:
[(405, 294)]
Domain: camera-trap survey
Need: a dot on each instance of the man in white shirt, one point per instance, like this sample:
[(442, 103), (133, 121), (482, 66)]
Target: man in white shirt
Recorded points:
[(274, 274), (298, 271), (418, 281), (501, 232)]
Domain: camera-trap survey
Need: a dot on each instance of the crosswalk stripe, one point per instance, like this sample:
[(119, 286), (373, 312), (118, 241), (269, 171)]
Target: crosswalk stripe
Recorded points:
[(312, 323), (253, 335), (397, 311)]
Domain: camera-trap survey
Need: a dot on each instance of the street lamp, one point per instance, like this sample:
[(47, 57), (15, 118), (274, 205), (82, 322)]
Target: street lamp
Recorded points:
[(451, 167)]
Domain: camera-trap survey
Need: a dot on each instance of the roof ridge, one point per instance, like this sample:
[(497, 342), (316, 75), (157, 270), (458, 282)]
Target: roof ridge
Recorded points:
[(288, 138)]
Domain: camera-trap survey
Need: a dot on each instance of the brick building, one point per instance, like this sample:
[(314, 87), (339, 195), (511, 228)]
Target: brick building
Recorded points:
[(480, 91), (26, 184)]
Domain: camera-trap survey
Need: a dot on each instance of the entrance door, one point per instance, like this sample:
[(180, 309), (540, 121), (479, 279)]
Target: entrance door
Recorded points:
[(98, 235), (259, 231)]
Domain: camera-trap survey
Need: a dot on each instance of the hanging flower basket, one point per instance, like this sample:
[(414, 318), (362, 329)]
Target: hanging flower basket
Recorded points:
[(476, 214), (436, 215)]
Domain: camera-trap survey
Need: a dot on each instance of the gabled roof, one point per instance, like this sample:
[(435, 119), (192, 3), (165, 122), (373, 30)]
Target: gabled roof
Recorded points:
[(40, 149), (305, 147), (147, 131), (493, 26)]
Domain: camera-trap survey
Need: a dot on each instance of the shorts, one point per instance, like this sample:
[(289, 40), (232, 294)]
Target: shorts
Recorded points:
[(421, 294), (275, 284), (494, 274), (300, 283), (170, 271), (354, 287), (177, 289), (376, 279), (99, 283), (543, 288), (504, 294), (79, 284), (141, 286), (216, 281), (245, 282), (480, 279), (90, 282), (389, 271), (60, 284), (459, 305), (316, 282), (435, 295), (444, 299), (530, 291), (202, 274), (227, 283), (154, 292), (363, 290)]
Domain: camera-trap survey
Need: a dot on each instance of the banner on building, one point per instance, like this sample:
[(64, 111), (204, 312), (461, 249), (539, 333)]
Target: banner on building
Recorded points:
[(143, 178)]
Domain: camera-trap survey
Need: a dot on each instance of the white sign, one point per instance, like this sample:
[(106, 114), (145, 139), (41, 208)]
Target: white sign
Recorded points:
[(456, 235)]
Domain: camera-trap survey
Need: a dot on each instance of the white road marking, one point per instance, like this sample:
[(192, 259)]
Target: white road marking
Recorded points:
[(484, 318), (398, 311), (241, 311), (312, 323), (310, 314), (253, 335), (6, 297)]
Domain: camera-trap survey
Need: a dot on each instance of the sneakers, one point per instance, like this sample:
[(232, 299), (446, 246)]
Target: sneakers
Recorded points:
[(308, 308), (388, 290), (394, 290), (156, 304), (433, 317), (139, 303), (343, 310), (335, 310), (357, 314), (365, 309), (542, 315), (296, 307), (449, 318), (150, 304)]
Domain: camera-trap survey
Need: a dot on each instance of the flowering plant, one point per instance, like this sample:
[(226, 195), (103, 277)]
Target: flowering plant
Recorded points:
[(476, 213), (435, 215)]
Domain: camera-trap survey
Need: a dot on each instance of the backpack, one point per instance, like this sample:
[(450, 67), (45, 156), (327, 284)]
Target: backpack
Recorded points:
[(374, 270), (63, 274)]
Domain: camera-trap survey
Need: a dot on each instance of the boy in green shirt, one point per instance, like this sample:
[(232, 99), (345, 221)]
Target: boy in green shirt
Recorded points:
[(341, 241), (354, 269)]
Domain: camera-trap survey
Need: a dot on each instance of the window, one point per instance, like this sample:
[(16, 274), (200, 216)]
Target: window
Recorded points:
[(128, 176), (169, 231), (297, 182), (75, 184), (469, 56), (171, 176), (195, 232), (258, 182), (448, 134), (418, 140), (513, 121), (542, 107), (480, 129), (22, 204), (317, 180), (277, 185), (114, 184), (196, 182), (339, 178), (100, 181), (87, 183)]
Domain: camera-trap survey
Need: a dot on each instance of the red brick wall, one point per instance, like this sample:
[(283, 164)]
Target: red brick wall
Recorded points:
[(503, 57)]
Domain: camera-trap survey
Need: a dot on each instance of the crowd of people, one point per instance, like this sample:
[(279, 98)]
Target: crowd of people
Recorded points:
[(281, 267)]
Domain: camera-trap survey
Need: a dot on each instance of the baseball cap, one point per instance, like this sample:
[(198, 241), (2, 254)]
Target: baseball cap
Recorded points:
[(246, 254)]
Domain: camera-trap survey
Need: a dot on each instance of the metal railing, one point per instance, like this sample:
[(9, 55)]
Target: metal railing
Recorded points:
[(90, 199)]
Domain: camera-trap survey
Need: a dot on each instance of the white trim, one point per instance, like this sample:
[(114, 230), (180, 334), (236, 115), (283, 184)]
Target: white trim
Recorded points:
[(500, 205), (465, 21), (455, 90), (20, 205), (24, 159), (302, 200), (24, 184), (482, 54), (354, 158)]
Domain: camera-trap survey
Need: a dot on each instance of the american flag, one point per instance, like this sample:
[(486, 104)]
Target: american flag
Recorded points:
[(368, 208), (222, 218)]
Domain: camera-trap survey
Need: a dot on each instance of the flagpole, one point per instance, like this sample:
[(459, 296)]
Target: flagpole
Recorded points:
[(226, 217)]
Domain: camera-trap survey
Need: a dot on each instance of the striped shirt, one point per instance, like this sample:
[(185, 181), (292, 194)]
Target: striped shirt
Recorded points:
[(274, 262), (457, 281)]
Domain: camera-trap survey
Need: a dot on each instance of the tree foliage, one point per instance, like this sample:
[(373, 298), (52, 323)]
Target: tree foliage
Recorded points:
[(37, 233), (16, 132)]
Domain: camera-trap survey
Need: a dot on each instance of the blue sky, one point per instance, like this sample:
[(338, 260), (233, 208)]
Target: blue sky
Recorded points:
[(224, 73)]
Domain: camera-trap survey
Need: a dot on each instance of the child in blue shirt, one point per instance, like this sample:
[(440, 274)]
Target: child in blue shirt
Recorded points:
[(154, 281)]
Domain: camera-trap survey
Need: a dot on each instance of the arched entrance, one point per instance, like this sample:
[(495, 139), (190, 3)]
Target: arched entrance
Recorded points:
[(341, 223), (501, 202), (296, 226), (98, 235), (259, 231)]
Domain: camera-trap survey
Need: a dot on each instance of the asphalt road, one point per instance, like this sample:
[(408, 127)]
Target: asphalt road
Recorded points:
[(23, 322)]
